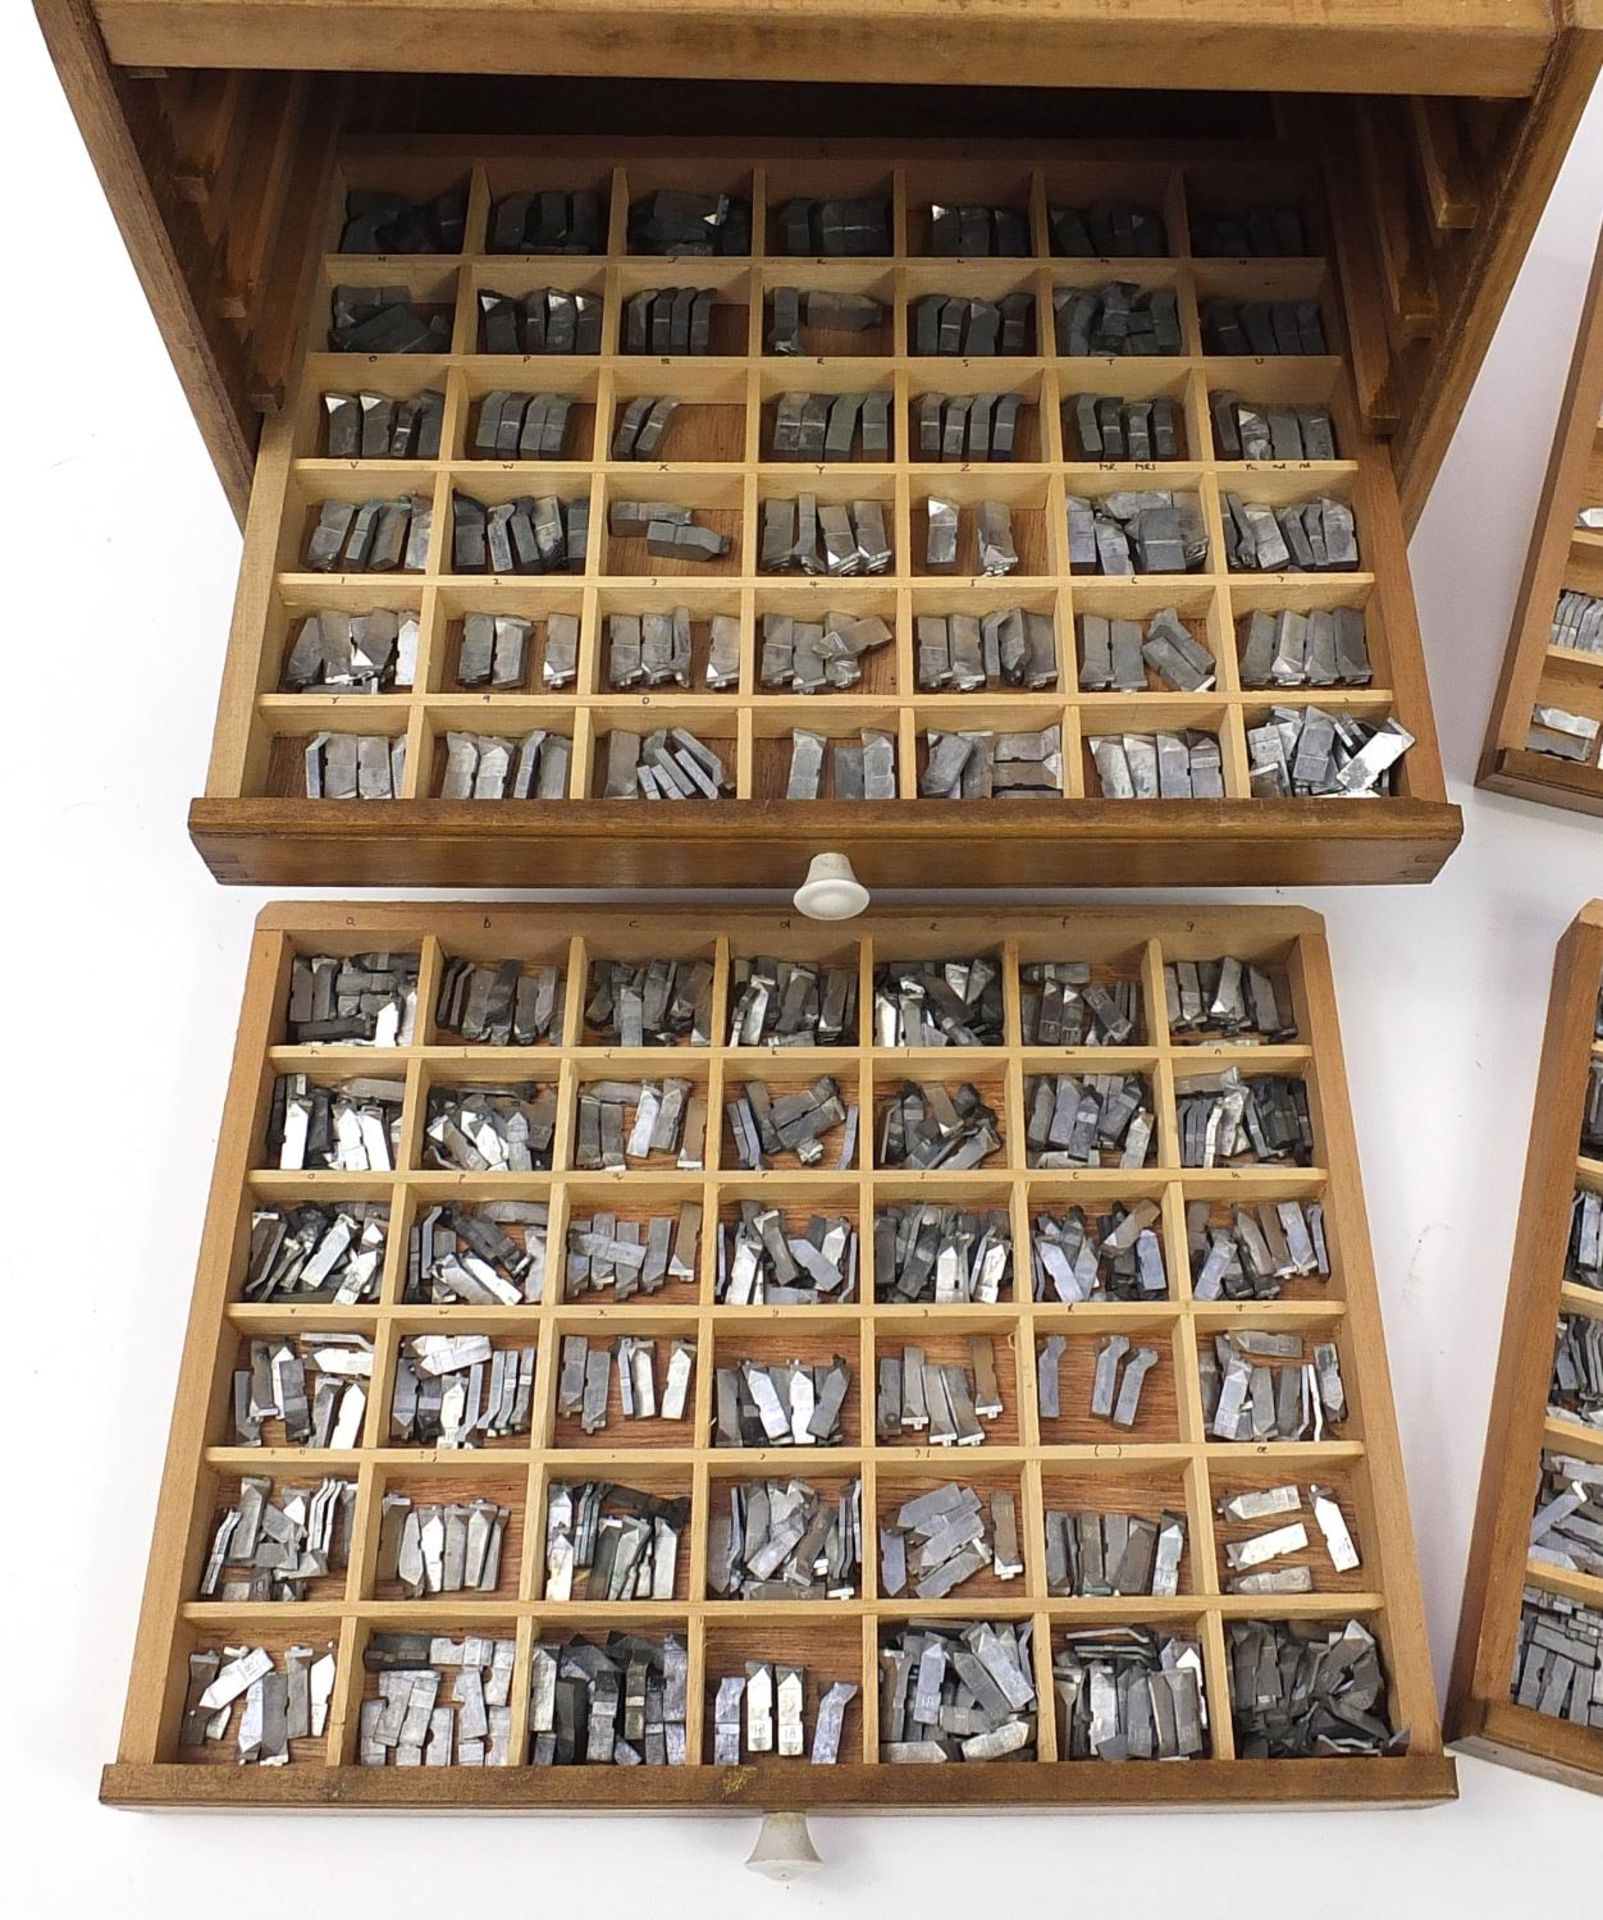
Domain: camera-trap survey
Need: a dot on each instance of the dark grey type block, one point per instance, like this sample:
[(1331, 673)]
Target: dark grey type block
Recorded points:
[(549, 222), (876, 424), (534, 311), (1266, 328), (649, 439), (384, 320), (1071, 237), (994, 530), (684, 300), (1005, 425), (1281, 432), (1083, 412), (388, 545), (941, 548), (795, 225), (983, 332), (637, 321), (813, 428), (1283, 320), (778, 535), (1222, 330), (785, 443), (841, 432), (953, 319), (931, 408), (334, 523), (980, 412), (631, 418), (343, 414), (1226, 431), (498, 537), (1016, 309), (629, 519), (419, 437), (660, 328), (561, 321), (927, 314), (833, 229)]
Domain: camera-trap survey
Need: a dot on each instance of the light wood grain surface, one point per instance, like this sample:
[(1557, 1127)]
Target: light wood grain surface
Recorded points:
[(252, 824), (1169, 1451)]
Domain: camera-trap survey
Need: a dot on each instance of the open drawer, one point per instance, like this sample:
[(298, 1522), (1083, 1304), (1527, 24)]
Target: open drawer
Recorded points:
[(1288, 1533), (1533, 1585)]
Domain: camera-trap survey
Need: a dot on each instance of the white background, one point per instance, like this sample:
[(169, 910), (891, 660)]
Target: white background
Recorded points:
[(122, 964)]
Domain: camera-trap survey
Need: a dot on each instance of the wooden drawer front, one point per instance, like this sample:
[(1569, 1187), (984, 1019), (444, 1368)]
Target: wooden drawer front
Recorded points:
[(1165, 1460), (719, 460)]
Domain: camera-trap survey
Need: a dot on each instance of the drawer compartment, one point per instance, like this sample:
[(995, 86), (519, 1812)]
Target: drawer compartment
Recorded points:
[(603, 509)]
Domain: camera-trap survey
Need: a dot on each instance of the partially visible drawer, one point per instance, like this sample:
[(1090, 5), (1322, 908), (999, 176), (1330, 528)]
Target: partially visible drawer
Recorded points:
[(1545, 738)]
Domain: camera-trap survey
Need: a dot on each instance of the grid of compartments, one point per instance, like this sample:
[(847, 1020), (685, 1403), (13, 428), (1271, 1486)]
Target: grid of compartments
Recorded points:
[(718, 461), (1166, 1461), (1535, 1581), (1545, 738)]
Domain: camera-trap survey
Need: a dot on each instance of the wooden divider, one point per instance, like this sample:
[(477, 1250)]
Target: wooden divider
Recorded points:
[(1169, 1459)]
